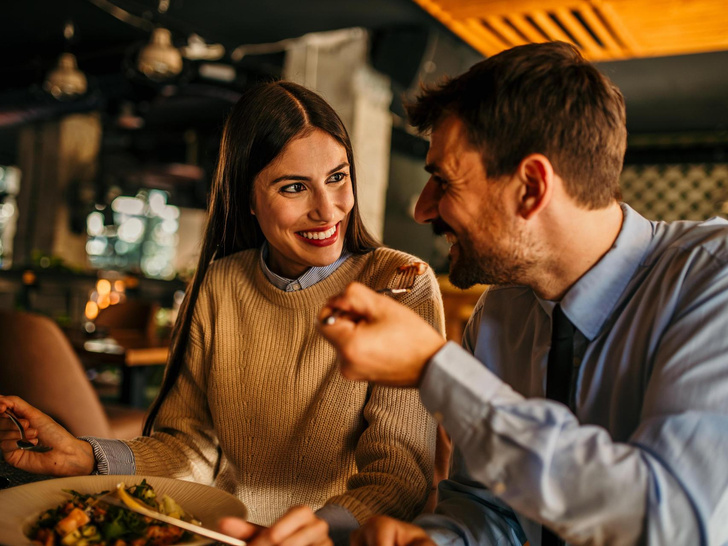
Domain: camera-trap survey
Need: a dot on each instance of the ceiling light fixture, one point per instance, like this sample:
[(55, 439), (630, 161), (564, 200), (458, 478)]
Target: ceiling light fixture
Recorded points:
[(199, 50), (159, 59), (66, 81)]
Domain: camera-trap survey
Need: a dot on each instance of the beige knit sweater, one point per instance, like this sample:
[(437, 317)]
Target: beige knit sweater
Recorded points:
[(262, 388)]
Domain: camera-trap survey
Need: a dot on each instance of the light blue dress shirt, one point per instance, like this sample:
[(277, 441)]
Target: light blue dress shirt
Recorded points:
[(643, 456)]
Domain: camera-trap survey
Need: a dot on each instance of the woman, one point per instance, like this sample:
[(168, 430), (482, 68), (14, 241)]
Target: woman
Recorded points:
[(252, 400)]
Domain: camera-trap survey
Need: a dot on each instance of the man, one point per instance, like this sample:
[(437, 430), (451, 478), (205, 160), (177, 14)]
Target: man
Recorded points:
[(625, 443)]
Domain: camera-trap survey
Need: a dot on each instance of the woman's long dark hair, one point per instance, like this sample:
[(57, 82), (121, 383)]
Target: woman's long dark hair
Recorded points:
[(261, 123)]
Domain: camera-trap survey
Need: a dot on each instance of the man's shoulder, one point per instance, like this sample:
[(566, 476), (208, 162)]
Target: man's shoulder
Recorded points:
[(687, 240)]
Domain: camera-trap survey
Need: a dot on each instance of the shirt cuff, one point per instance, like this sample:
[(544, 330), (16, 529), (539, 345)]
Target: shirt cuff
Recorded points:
[(341, 522), (112, 456)]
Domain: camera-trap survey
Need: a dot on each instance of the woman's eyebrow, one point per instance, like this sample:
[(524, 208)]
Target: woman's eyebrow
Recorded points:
[(339, 167), (299, 177), (289, 177)]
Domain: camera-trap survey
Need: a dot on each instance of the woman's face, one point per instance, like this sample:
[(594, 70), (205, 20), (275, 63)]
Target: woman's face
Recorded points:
[(302, 201)]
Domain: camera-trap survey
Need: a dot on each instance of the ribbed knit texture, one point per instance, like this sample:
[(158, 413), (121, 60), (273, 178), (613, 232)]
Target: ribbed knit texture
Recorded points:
[(262, 387)]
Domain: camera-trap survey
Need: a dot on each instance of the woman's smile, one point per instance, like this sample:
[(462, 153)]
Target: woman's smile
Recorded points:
[(321, 236)]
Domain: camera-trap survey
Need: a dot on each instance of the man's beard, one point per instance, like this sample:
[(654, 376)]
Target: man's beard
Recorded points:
[(504, 265)]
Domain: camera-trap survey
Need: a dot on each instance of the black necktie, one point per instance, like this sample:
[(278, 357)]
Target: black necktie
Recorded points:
[(558, 380)]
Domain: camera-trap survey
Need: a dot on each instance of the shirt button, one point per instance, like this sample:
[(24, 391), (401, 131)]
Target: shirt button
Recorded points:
[(296, 286)]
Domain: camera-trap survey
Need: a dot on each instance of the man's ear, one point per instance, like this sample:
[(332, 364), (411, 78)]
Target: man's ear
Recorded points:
[(536, 176)]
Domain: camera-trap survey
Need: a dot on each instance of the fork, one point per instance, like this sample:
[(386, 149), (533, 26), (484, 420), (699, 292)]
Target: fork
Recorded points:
[(24, 443), (405, 279), (127, 502)]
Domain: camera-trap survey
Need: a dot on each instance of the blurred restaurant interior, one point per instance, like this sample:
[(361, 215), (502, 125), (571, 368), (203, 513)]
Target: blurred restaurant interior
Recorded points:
[(111, 112)]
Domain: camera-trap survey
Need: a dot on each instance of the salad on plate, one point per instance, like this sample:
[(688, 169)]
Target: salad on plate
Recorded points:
[(87, 520)]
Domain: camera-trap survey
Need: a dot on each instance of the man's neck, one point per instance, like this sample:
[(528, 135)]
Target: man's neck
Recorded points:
[(576, 241)]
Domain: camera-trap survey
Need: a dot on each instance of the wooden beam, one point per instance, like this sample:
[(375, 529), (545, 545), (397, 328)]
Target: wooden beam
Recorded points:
[(590, 47), (464, 9), (608, 12), (601, 32), (496, 43), (519, 21), (506, 30), (554, 31)]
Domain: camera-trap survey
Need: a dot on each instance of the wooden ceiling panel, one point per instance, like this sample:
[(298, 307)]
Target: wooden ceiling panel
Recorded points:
[(602, 29)]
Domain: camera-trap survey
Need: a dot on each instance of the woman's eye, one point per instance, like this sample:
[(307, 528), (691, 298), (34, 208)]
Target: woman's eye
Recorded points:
[(293, 188), (337, 177)]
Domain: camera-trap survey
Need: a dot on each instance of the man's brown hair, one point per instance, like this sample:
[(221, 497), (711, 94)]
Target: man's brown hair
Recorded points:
[(538, 98)]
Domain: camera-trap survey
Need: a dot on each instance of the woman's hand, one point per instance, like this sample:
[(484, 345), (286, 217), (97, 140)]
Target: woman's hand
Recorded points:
[(69, 456), (297, 527)]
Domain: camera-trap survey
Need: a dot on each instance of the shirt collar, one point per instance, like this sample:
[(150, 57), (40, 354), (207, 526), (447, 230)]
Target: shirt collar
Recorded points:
[(308, 279), (590, 302)]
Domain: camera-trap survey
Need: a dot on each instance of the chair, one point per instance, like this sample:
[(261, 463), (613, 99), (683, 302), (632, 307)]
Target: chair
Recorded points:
[(38, 363), (129, 316)]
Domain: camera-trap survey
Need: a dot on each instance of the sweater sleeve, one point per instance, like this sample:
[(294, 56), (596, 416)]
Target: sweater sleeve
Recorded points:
[(184, 444), (395, 453)]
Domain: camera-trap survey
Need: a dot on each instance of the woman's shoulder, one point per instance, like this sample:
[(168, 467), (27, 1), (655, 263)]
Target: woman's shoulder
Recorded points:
[(384, 264), (386, 256), (230, 270), (234, 264)]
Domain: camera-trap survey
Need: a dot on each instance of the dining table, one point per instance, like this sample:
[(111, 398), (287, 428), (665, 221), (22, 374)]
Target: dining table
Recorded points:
[(12, 477)]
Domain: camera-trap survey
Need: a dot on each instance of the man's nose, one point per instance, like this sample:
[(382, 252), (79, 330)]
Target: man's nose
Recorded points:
[(426, 207)]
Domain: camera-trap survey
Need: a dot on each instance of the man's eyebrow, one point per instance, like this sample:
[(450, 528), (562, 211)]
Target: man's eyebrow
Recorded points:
[(431, 168)]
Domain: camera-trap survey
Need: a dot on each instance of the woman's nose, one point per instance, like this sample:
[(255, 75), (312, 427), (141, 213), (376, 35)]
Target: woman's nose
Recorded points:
[(323, 207), (426, 207)]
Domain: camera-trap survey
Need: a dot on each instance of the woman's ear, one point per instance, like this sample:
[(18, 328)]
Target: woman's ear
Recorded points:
[(536, 175)]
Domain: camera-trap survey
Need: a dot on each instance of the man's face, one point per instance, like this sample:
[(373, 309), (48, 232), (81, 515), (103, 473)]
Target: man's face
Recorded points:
[(487, 243)]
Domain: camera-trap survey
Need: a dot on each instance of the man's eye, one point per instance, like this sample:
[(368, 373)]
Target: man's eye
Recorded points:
[(293, 188), (337, 177), (439, 180)]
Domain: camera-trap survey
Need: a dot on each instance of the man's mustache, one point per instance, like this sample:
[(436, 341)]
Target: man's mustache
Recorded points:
[(440, 228)]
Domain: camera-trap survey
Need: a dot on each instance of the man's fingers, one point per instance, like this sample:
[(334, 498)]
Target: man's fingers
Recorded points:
[(355, 303), (314, 533), (296, 519), (386, 531), (379, 530)]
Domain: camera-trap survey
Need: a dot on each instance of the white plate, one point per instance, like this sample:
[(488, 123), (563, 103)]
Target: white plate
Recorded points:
[(20, 506)]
